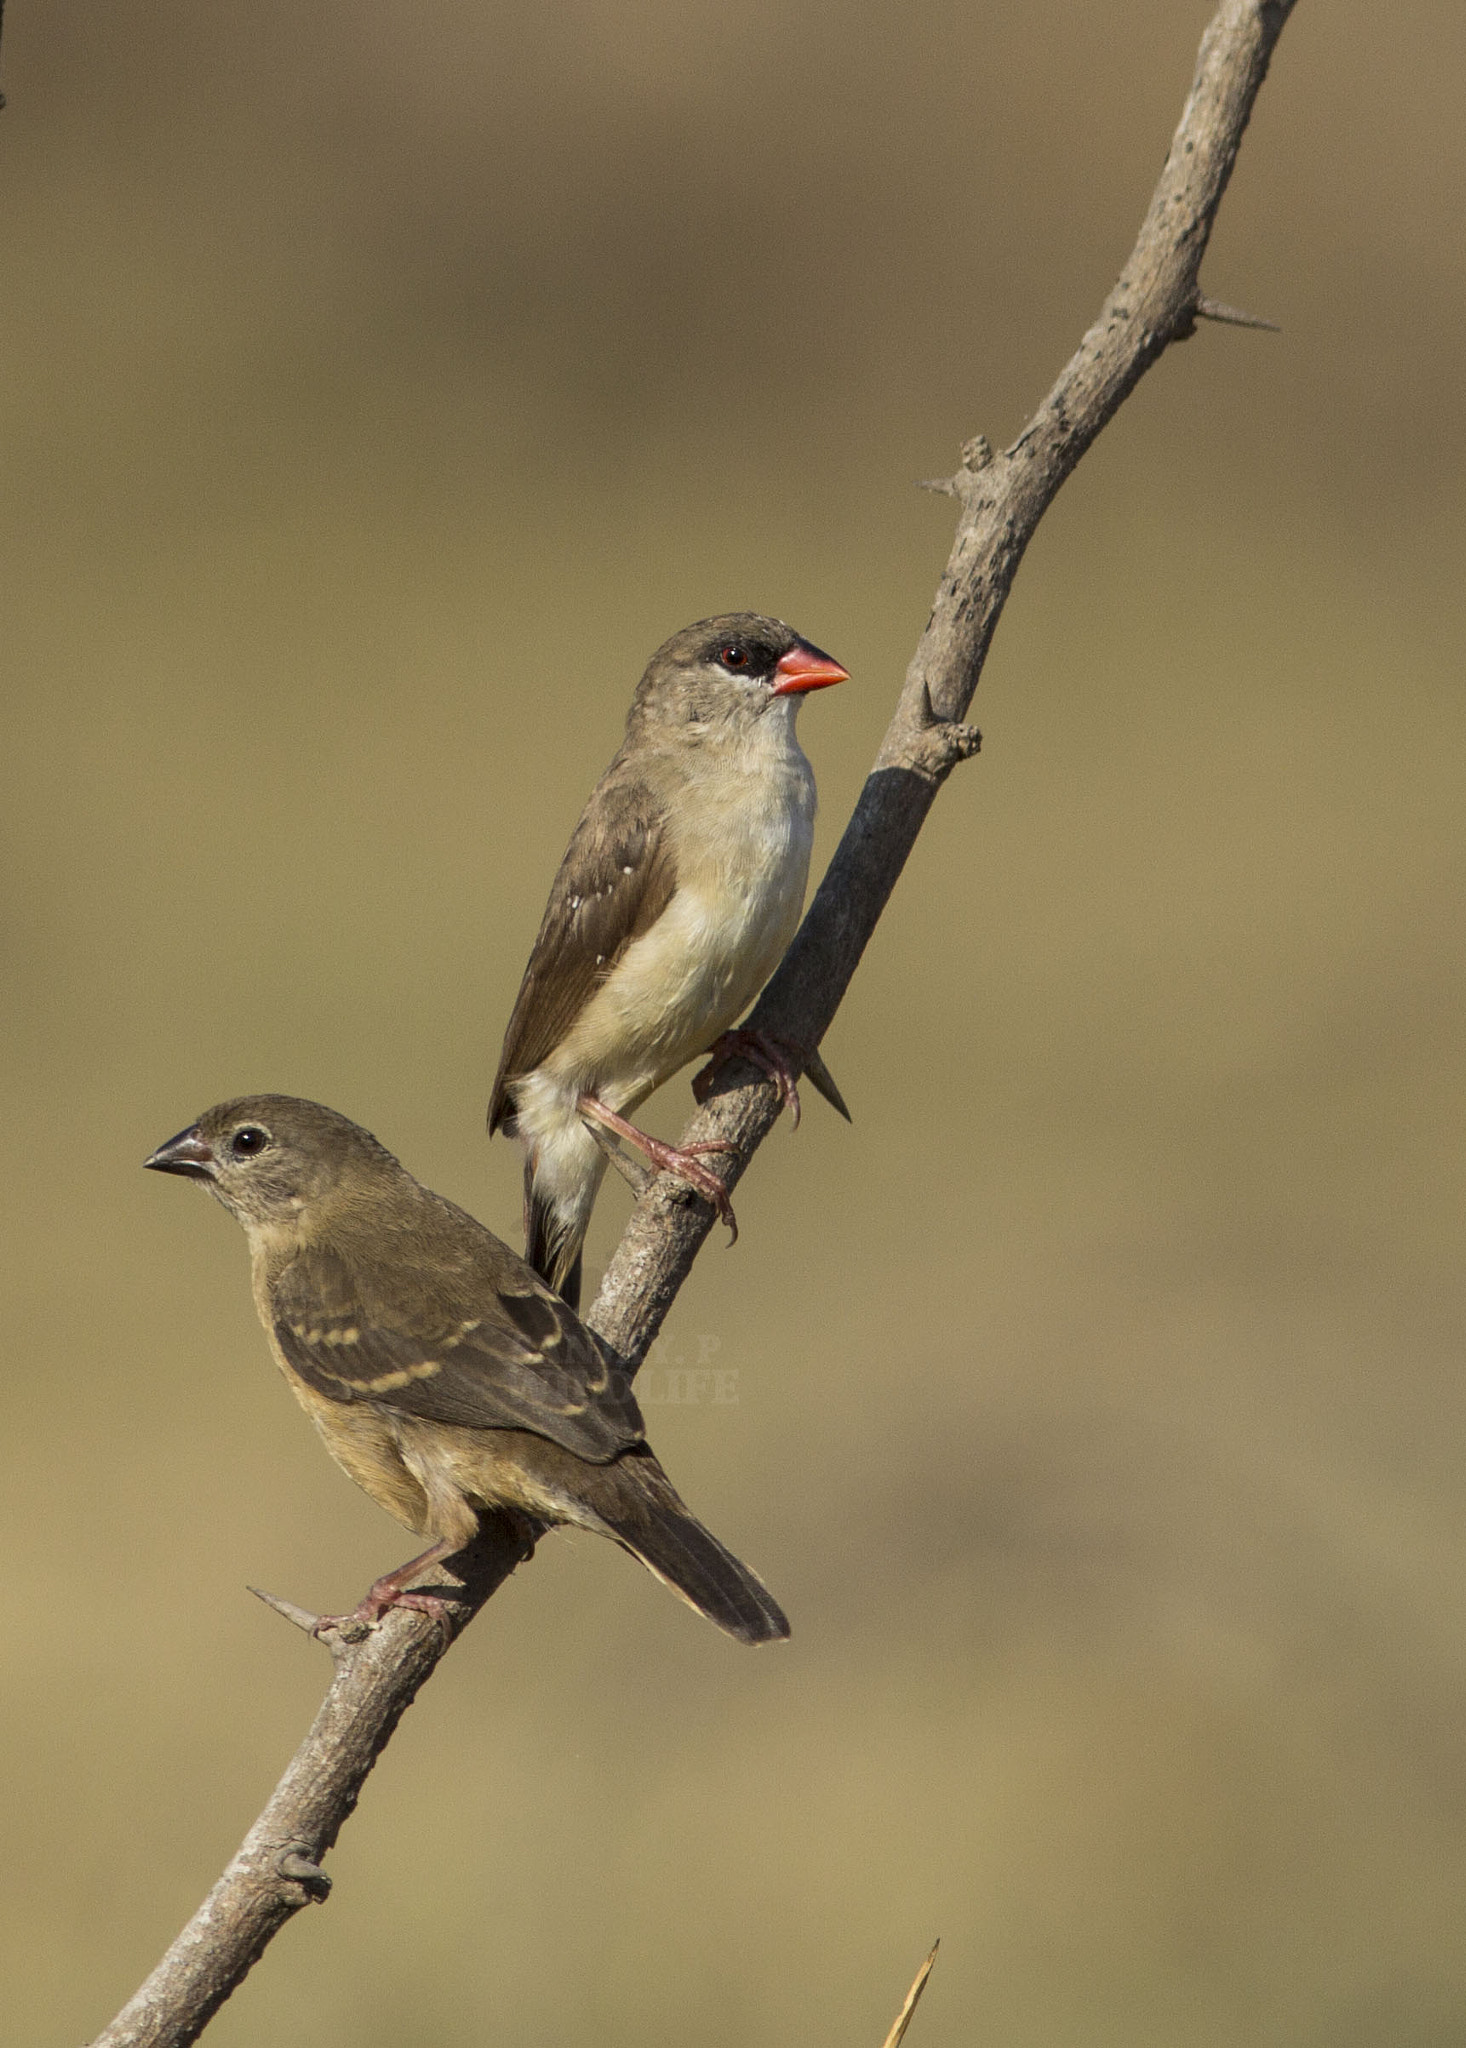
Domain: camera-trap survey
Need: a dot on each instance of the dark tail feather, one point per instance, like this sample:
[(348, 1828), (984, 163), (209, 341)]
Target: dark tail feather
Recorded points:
[(642, 1511), (550, 1246)]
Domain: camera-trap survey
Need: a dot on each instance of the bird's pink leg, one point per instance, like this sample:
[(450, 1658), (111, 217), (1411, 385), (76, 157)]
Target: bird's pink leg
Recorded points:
[(392, 1590), (668, 1158), (764, 1052)]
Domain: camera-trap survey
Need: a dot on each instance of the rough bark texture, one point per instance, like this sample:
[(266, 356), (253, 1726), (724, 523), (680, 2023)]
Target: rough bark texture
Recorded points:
[(1001, 499)]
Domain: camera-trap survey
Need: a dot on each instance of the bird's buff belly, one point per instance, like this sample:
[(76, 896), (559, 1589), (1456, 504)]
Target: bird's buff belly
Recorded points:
[(434, 1478)]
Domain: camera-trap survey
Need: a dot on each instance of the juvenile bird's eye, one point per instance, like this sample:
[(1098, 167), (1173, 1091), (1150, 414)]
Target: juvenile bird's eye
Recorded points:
[(734, 655), (248, 1140)]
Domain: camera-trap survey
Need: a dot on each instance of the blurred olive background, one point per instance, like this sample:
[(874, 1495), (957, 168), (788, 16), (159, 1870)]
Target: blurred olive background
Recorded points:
[(381, 387)]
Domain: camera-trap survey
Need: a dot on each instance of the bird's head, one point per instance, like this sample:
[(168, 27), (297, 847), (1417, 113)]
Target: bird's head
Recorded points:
[(730, 670), (267, 1157)]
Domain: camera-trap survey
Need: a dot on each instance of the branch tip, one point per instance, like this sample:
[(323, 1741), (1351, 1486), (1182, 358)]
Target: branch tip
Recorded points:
[(913, 1996)]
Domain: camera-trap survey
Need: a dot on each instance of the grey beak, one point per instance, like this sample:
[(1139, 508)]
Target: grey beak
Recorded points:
[(187, 1153)]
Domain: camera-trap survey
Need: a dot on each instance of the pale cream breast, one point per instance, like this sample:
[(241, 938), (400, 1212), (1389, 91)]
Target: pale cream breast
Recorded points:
[(742, 828)]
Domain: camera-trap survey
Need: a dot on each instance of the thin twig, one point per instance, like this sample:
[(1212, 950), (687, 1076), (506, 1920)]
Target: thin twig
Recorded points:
[(1001, 499), (913, 1996)]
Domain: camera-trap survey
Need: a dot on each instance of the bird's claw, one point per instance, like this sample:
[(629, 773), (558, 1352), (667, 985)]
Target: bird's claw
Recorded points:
[(366, 1616), (669, 1158), (387, 1592), (682, 1160), (762, 1051)]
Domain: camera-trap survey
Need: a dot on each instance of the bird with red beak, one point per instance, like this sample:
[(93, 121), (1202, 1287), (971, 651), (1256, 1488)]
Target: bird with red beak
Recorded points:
[(681, 888)]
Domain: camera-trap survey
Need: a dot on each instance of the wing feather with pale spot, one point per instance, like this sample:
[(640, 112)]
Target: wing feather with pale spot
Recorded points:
[(483, 1349), (616, 879)]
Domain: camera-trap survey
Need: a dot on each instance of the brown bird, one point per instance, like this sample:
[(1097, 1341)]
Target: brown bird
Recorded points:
[(441, 1374), (677, 898)]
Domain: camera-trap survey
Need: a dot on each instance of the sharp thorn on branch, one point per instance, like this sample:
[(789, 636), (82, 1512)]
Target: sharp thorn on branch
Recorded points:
[(1231, 316), (637, 1176), (299, 1615), (823, 1082)]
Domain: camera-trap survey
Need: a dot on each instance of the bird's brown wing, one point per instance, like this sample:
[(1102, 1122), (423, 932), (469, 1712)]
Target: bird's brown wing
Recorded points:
[(506, 1356), (616, 879)]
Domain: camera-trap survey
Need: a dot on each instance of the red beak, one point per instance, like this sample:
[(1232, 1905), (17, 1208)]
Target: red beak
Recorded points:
[(806, 668)]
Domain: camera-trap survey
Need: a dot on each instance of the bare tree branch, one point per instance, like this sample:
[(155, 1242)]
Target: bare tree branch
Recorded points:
[(276, 1869), (1001, 499)]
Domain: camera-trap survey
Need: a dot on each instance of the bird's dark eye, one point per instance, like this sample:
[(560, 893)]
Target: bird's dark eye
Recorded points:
[(248, 1140), (734, 655)]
